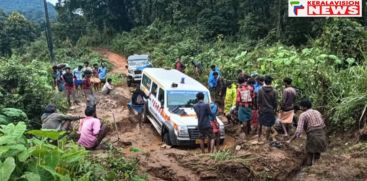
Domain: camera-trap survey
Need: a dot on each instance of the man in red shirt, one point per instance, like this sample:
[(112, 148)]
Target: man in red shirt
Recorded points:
[(87, 84), (245, 97), (179, 65)]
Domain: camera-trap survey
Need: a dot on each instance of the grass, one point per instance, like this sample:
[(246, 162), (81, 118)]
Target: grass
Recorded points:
[(117, 79), (222, 155)]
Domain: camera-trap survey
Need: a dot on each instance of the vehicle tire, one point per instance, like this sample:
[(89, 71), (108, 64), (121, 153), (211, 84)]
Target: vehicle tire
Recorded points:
[(166, 138), (221, 142), (144, 114)]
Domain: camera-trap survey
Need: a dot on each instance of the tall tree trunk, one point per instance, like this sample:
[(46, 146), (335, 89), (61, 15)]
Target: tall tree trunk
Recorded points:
[(279, 22)]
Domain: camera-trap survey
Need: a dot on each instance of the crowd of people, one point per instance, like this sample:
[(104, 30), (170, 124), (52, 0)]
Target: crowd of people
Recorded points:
[(80, 82), (252, 102)]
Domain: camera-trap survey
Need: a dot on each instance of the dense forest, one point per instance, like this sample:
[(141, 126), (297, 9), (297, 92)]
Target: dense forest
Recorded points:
[(257, 36), (325, 57), (32, 9)]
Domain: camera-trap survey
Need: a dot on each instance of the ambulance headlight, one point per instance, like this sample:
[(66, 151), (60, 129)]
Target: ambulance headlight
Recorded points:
[(181, 130)]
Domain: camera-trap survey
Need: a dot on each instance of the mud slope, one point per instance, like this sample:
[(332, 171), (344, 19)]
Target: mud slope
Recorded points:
[(249, 161)]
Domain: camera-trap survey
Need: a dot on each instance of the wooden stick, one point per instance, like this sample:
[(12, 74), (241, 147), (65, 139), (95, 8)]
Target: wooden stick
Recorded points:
[(360, 119), (114, 120)]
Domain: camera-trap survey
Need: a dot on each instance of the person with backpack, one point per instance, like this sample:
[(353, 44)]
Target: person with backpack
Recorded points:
[(267, 104), (244, 101), (68, 78), (287, 107)]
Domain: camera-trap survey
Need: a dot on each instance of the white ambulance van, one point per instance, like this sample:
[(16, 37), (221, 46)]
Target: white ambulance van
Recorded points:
[(171, 97)]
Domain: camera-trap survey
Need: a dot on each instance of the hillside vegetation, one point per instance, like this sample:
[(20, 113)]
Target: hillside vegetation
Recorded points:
[(325, 57), (32, 9)]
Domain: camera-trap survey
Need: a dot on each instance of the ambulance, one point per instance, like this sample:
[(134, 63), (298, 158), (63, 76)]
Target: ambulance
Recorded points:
[(169, 106)]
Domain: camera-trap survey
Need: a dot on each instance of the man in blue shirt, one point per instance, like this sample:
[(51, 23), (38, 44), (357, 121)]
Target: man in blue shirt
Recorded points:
[(78, 76), (203, 114), (212, 81), (102, 73), (259, 83)]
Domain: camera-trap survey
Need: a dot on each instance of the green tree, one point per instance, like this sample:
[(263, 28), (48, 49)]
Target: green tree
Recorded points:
[(19, 30), (4, 39), (346, 38)]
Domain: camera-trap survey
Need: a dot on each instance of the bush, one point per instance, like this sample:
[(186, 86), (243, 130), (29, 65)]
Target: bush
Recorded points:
[(27, 86), (12, 115), (24, 158), (346, 38), (316, 73)]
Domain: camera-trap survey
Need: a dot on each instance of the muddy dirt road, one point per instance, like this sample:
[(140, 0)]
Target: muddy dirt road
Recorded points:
[(242, 159)]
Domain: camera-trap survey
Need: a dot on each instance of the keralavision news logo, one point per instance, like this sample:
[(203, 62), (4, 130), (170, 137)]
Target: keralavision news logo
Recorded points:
[(325, 8)]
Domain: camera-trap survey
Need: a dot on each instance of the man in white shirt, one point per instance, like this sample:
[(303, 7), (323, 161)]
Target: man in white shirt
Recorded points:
[(107, 88)]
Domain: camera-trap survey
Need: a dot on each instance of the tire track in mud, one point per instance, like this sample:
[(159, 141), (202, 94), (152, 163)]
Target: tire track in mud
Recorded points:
[(182, 164), (159, 163)]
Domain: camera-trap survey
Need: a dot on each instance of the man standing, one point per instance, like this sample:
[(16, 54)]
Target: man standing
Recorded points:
[(198, 67), (179, 65), (213, 85), (138, 96), (267, 103), (212, 80), (203, 113), (78, 76), (311, 121), (245, 97), (87, 84), (91, 130), (55, 75), (287, 107), (69, 85), (86, 68), (102, 71), (259, 83), (230, 98), (240, 73)]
